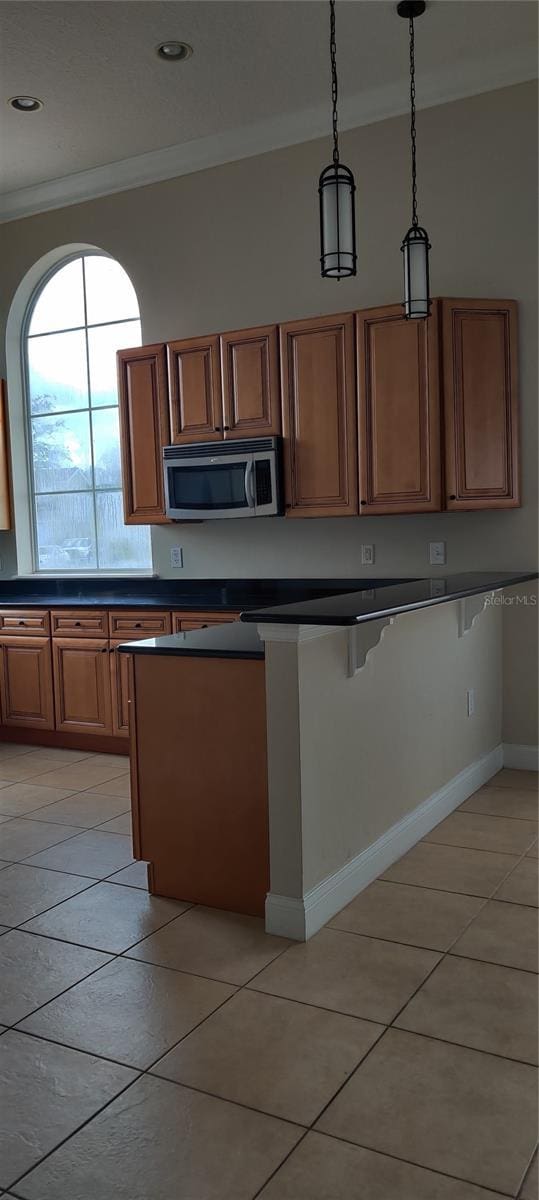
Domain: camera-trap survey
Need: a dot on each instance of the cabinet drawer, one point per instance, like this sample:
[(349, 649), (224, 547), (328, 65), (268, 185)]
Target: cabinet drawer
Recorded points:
[(128, 625), (80, 623), (183, 621), (28, 621)]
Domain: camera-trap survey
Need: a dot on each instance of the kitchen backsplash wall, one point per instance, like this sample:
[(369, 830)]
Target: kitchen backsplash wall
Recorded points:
[(238, 245)]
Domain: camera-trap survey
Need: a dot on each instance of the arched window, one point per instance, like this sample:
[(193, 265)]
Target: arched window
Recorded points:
[(81, 314)]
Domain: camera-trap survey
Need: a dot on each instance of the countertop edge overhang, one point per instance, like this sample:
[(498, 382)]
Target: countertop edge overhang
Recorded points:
[(241, 639), (371, 604)]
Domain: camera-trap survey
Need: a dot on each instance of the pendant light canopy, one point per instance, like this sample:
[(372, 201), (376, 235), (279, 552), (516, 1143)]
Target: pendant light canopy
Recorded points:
[(416, 245), (336, 191)]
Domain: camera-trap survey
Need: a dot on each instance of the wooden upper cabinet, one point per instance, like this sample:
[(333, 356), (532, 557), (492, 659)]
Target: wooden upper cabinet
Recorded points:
[(319, 416), (480, 382), (195, 390), (82, 685), (399, 403), (144, 430), (26, 682), (250, 382), (5, 499)]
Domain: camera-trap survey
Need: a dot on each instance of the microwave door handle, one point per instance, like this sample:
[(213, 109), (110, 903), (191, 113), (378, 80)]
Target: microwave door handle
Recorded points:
[(249, 483)]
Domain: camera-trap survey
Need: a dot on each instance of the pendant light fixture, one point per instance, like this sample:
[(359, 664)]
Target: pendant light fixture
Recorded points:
[(416, 245), (336, 190)]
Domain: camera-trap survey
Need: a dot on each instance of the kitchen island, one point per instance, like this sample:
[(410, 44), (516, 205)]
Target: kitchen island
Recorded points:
[(294, 756)]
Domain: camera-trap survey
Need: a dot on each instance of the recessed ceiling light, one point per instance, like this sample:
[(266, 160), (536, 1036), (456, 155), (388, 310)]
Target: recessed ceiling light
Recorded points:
[(25, 103), (174, 51)]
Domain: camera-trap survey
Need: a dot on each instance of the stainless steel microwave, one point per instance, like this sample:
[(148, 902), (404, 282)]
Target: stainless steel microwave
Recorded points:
[(209, 480)]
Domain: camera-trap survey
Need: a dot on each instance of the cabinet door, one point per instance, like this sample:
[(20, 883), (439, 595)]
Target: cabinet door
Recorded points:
[(319, 417), (26, 682), (399, 406), (119, 679), (144, 430), (196, 413), (250, 382), (82, 685), (5, 499), (480, 379)]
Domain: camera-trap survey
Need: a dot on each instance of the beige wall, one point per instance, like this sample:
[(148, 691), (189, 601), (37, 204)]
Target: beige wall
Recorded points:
[(238, 245), (373, 747), (520, 659)]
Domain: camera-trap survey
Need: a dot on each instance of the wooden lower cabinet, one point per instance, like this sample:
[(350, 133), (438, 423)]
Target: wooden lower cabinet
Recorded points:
[(184, 622), (199, 779), (26, 690), (82, 687)]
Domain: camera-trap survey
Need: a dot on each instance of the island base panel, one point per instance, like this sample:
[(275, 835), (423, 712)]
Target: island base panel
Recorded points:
[(200, 804)]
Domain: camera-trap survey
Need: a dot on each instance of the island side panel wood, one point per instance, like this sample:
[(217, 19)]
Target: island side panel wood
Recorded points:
[(199, 737)]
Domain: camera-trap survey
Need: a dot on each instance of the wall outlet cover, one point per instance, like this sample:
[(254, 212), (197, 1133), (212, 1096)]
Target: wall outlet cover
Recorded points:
[(437, 554), (176, 557), (367, 555), (470, 701)]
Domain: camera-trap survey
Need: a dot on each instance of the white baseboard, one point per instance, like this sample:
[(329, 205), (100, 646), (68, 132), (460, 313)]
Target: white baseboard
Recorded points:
[(520, 758), (299, 919)]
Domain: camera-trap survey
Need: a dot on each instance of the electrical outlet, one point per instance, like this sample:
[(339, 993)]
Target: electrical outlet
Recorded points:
[(437, 587), (176, 557), (367, 555), (437, 554), (470, 701)]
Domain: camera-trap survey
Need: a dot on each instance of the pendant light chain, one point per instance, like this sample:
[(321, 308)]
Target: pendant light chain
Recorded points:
[(412, 122), (334, 85)]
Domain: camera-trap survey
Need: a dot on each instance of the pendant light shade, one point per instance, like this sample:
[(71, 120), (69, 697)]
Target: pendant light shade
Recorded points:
[(415, 249), (336, 190), (337, 222), (416, 245)]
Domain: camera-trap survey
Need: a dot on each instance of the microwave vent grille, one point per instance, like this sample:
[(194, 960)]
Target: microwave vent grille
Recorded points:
[(216, 449)]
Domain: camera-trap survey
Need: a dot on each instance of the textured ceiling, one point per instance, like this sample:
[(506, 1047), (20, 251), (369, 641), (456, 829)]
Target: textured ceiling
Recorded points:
[(107, 96)]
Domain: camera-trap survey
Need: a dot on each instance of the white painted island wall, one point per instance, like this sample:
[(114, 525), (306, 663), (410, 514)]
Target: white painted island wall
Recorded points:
[(362, 766)]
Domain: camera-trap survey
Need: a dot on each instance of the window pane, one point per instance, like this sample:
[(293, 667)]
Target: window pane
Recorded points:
[(61, 303), (121, 547), (61, 453), (103, 343), (57, 372), (110, 295), (106, 435), (56, 519)]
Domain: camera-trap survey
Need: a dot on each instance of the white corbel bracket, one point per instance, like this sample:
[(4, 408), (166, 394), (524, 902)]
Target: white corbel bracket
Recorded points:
[(469, 609), (363, 638)]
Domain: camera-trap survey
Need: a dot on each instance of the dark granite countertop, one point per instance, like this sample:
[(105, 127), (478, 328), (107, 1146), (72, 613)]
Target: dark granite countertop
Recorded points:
[(219, 595), (385, 599), (231, 640)]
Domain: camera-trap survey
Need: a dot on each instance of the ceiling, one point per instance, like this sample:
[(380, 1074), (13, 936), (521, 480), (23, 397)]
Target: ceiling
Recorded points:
[(258, 78)]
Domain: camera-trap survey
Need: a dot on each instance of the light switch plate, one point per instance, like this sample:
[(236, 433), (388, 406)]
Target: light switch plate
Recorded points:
[(367, 555), (437, 554)]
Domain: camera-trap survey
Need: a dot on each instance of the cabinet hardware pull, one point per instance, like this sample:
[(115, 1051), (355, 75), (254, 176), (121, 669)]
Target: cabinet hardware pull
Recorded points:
[(452, 497), (217, 429), (138, 624), (226, 428), (77, 623), (362, 501)]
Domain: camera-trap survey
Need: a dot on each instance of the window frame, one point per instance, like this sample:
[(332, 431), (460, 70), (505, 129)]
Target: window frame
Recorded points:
[(101, 572)]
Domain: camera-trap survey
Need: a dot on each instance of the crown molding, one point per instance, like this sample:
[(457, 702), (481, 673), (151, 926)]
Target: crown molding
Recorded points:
[(378, 104)]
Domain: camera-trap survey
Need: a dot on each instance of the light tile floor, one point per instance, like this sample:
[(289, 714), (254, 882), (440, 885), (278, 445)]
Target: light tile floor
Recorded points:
[(153, 1050)]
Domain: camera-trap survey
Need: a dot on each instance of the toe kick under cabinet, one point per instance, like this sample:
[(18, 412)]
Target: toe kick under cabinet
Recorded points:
[(63, 681)]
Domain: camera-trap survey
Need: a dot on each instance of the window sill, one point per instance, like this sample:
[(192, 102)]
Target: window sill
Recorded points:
[(87, 575)]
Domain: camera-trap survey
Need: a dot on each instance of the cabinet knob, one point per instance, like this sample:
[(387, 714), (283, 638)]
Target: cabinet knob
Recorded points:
[(452, 497), (77, 623), (21, 622), (217, 429), (362, 501), (226, 428), (138, 624)]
